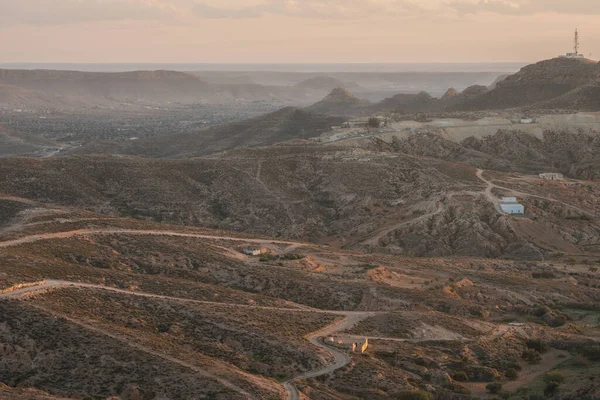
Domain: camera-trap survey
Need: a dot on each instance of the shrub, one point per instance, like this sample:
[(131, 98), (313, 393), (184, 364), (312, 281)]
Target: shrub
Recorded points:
[(531, 356), (460, 376), (554, 376), (536, 397), (592, 353), (552, 389), (541, 311), (543, 275), (581, 362), (512, 374), (374, 122), (538, 345), (557, 321), (416, 395), (494, 387), (514, 364)]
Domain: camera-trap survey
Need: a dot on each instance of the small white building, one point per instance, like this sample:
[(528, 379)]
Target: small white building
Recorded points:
[(527, 120), (552, 176), (513, 208)]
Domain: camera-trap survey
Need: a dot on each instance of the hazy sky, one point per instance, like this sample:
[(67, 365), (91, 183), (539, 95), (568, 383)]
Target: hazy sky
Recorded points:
[(294, 31)]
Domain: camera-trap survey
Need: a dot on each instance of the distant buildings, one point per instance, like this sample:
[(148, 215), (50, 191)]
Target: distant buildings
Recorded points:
[(527, 121), (510, 205), (552, 176)]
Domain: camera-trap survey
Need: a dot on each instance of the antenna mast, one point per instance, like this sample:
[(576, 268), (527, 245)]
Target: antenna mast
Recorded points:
[(576, 42)]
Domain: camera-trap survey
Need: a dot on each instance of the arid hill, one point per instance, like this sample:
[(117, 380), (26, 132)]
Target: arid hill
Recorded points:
[(539, 83), (394, 198), (99, 307), (341, 102), (573, 154), (408, 103)]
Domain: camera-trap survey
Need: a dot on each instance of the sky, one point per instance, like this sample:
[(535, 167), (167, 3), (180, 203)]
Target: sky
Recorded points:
[(294, 31)]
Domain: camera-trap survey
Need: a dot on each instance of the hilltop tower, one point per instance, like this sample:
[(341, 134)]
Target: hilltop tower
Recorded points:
[(575, 53)]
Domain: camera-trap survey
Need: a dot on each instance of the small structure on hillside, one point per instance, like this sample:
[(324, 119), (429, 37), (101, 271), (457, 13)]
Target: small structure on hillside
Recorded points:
[(255, 251), (527, 121), (552, 176), (352, 344), (510, 205)]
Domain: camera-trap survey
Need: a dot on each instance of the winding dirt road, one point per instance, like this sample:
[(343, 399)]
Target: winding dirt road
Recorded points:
[(339, 358), (82, 232)]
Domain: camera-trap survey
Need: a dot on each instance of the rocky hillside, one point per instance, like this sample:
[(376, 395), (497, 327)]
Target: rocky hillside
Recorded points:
[(379, 201), (573, 154), (408, 103), (538, 83)]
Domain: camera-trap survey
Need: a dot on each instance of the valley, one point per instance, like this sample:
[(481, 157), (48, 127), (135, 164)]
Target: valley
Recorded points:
[(279, 235)]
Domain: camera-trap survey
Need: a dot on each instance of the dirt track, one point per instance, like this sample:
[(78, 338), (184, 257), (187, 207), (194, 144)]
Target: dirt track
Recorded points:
[(82, 232)]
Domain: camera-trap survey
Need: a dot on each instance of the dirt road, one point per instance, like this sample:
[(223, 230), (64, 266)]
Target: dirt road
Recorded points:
[(490, 196), (374, 241), (489, 191), (340, 358), (82, 232)]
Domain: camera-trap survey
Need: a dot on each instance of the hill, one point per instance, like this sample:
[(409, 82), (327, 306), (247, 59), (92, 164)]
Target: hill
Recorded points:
[(327, 83), (286, 124), (340, 102), (116, 307), (408, 103), (388, 199), (538, 83)]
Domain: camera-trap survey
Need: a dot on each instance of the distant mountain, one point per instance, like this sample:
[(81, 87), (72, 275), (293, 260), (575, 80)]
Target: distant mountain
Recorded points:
[(97, 88), (340, 102), (327, 83), (286, 124), (41, 89)]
